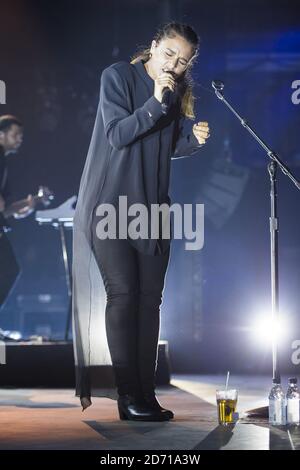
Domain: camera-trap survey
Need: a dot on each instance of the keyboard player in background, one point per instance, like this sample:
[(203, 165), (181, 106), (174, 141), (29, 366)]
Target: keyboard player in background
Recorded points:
[(11, 136)]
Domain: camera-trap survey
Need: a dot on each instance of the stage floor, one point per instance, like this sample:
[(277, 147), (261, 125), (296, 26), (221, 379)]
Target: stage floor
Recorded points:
[(52, 419)]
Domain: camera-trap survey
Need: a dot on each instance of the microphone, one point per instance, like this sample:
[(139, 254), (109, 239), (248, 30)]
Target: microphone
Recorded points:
[(217, 85), (167, 95), (166, 99)]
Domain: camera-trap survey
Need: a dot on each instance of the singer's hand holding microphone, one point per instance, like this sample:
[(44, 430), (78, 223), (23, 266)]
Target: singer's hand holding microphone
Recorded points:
[(165, 84), (162, 83)]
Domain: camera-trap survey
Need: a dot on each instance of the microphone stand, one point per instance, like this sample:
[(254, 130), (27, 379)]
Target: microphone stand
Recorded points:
[(272, 169)]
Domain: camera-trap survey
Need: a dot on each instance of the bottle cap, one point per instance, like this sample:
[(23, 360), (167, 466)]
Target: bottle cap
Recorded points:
[(277, 380), (293, 380)]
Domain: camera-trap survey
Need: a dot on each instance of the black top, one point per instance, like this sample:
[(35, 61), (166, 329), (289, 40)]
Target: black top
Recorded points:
[(4, 191), (3, 173), (141, 142)]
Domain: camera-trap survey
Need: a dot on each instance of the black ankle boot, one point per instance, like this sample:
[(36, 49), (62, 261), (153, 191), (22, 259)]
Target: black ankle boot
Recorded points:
[(152, 401), (132, 408)]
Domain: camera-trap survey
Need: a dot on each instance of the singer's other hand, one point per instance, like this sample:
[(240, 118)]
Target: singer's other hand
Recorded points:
[(163, 81), (201, 131)]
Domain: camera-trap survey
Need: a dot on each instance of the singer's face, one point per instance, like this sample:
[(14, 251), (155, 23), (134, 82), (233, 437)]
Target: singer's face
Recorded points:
[(171, 55)]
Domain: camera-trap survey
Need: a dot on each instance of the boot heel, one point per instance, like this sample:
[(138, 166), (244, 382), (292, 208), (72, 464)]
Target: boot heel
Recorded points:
[(122, 415)]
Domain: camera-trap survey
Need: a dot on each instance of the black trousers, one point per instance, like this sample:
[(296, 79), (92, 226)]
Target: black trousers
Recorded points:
[(9, 268), (134, 284)]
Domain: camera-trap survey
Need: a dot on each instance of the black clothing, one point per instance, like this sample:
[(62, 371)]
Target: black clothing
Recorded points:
[(9, 268), (3, 172), (130, 152), (4, 188), (140, 142), (3, 183), (134, 283)]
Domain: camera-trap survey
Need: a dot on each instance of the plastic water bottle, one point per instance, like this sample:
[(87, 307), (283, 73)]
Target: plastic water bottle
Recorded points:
[(293, 402), (277, 408)]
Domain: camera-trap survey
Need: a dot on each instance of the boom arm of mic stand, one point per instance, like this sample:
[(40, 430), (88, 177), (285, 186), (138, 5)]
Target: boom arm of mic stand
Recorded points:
[(272, 155)]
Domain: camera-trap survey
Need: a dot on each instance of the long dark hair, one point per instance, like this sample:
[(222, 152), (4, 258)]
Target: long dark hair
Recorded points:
[(185, 81)]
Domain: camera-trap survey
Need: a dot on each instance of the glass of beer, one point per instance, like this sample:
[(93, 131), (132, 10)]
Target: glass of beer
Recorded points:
[(226, 402)]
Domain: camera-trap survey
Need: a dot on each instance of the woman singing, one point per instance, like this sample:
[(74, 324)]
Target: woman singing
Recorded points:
[(118, 281)]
